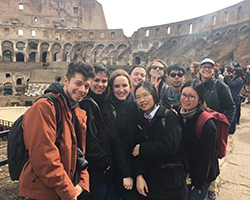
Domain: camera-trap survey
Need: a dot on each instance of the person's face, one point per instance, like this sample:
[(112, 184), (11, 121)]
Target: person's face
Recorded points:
[(206, 70), (99, 83), (121, 87), (248, 70), (76, 88), (157, 69), (176, 78), (192, 68), (137, 76), (189, 98), (145, 100), (234, 74)]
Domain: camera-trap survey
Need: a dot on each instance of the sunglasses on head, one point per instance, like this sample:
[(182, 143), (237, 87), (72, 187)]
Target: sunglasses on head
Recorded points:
[(173, 75), (155, 67)]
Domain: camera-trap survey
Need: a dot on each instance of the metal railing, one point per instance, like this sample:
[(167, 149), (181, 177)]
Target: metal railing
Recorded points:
[(4, 134)]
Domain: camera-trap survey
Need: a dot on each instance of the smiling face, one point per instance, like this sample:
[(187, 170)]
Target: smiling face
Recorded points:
[(137, 76), (76, 88), (189, 98), (176, 78), (121, 87), (206, 71), (145, 100), (99, 83), (157, 70)]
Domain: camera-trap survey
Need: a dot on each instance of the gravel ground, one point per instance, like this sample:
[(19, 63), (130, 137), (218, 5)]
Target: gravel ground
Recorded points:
[(8, 188)]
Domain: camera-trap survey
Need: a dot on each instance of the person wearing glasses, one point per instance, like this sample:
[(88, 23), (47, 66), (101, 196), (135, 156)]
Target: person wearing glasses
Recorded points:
[(157, 75), (218, 97), (159, 173), (176, 76), (200, 152)]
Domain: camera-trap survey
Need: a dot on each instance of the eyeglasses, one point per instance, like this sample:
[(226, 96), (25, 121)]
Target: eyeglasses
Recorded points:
[(208, 67), (173, 75), (188, 97), (155, 67), (137, 98)]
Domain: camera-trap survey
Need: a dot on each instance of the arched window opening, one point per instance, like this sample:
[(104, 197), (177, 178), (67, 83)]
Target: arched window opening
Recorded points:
[(19, 81), (19, 57), (7, 55), (32, 57), (44, 57), (137, 60), (7, 89)]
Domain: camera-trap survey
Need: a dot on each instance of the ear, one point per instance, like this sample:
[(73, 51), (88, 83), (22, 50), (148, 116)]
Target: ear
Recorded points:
[(65, 81), (184, 77)]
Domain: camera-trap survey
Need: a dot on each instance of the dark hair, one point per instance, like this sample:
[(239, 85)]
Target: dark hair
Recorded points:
[(99, 68), (176, 67), (135, 66), (198, 86), (150, 88), (116, 73), (238, 72), (82, 68), (164, 71)]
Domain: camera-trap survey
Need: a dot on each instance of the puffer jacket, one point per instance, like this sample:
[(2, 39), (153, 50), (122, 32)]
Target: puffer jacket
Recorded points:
[(48, 174)]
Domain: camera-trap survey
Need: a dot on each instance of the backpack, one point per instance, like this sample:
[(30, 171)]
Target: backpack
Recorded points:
[(222, 126), (16, 151)]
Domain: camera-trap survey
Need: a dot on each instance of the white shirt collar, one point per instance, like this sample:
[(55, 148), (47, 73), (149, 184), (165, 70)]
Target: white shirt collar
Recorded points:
[(152, 114)]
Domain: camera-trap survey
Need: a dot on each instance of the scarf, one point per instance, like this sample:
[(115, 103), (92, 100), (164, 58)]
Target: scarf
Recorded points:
[(188, 114)]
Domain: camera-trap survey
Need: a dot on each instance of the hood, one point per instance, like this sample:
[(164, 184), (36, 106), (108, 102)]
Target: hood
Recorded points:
[(57, 88)]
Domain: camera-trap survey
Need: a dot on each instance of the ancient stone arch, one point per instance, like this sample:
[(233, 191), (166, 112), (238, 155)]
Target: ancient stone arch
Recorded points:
[(121, 48), (56, 50), (20, 45), (19, 81), (66, 52), (19, 57), (111, 47), (229, 31), (7, 55), (7, 88), (32, 57), (137, 60), (44, 52)]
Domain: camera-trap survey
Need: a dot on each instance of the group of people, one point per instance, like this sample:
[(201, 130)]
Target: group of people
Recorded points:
[(137, 131)]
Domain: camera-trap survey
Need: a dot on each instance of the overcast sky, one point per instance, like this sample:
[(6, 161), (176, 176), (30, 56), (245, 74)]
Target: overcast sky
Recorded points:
[(130, 15)]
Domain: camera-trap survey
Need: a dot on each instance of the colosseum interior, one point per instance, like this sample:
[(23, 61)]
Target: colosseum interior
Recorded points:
[(40, 37)]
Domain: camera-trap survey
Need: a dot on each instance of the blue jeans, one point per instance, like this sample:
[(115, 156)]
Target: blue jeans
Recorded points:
[(195, 195)]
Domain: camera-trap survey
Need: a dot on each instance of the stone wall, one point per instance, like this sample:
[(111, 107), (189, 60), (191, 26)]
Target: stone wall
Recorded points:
[(38, 42)]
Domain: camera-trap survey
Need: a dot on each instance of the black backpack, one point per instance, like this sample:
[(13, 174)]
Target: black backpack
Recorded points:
[(17, 153)]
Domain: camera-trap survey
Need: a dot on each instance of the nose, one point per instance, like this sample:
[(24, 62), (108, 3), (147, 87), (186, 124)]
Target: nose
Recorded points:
[(83, 89)]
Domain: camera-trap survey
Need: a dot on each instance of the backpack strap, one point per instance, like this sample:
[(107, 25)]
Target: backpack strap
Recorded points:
[(59, 127), (202, 119)]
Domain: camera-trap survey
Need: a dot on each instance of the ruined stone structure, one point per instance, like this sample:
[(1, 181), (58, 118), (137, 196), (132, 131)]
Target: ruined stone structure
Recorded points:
[(39, 38)]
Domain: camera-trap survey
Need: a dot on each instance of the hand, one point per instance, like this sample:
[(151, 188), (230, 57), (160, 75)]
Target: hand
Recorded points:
[(136, 150), (141, 185), (78, 190), (128, 183), (225, 74), (156, 83), (192, 188)]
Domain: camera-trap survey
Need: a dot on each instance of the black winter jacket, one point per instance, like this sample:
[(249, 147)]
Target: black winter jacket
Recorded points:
[(219, 98), (103, 145), (157, 160), (201, 156)]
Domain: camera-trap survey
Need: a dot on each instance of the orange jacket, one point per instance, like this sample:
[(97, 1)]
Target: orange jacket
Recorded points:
[(48, 173)]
